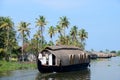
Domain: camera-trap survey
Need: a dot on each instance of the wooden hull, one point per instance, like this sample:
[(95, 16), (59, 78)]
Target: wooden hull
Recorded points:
[(105, 57), (48, 69)]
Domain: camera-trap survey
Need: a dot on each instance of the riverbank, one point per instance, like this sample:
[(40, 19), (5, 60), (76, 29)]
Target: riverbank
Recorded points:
[(9, 66)]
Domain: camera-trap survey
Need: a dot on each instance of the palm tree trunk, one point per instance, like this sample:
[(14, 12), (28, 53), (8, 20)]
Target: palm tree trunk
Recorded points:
[(41, 37), (82, 42), (7, 46), (52, 41), (64, 36), (22, 47), (38, 45)]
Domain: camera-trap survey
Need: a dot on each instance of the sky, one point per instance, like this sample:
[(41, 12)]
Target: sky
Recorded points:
[(100, 18)]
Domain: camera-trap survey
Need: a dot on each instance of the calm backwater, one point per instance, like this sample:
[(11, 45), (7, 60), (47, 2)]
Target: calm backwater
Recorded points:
[(101, 69)]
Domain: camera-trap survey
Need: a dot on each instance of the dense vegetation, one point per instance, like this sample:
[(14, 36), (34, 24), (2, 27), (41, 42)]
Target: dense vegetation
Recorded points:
[(9, 40)]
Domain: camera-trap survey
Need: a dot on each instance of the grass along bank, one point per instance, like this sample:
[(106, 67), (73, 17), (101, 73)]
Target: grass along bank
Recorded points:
[(9, 66)]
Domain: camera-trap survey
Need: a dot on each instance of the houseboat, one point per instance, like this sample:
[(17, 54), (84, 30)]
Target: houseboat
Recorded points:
[(92, 55), (62, 59), (103, 55)]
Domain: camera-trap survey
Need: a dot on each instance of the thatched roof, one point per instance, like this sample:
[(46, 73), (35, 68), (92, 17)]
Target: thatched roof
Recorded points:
[(64, 52), (102, 54), (53, 48)]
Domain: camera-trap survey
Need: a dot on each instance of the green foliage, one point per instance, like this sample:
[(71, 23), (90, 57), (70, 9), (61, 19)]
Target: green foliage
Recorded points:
[(24, 32), (8, 40), (118, 53), (101, 51), (2, 53), (51, 32), (9, 44), (50, 43), (41, 22), (113, 51), (8, 66)]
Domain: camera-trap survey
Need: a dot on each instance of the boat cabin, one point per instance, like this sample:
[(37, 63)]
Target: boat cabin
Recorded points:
[(63, 56)]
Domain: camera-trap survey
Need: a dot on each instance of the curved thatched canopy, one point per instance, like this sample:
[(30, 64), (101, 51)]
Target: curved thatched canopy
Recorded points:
[(53, 48), (102, 54), (64, 53)]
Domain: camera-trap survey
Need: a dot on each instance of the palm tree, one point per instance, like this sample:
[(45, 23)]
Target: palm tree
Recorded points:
[(7, 25), (41, 22), (24, 31), (74, 33), (37, 36), (50, 43), (64, 23), (83, 35), (59, 29), (51, 32), (60, 40), (67, 40)]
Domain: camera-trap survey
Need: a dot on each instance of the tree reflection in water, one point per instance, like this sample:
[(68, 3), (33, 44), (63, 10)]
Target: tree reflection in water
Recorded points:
[(77, 75)]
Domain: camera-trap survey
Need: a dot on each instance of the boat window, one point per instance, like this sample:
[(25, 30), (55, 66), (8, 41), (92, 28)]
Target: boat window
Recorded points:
[(73, 59), (81, 58), (70, 59)]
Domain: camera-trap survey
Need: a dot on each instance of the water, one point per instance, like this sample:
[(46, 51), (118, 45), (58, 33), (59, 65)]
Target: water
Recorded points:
[(103, 69)]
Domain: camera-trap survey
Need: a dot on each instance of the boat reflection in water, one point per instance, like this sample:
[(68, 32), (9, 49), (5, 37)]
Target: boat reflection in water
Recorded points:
[(77, 75)]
